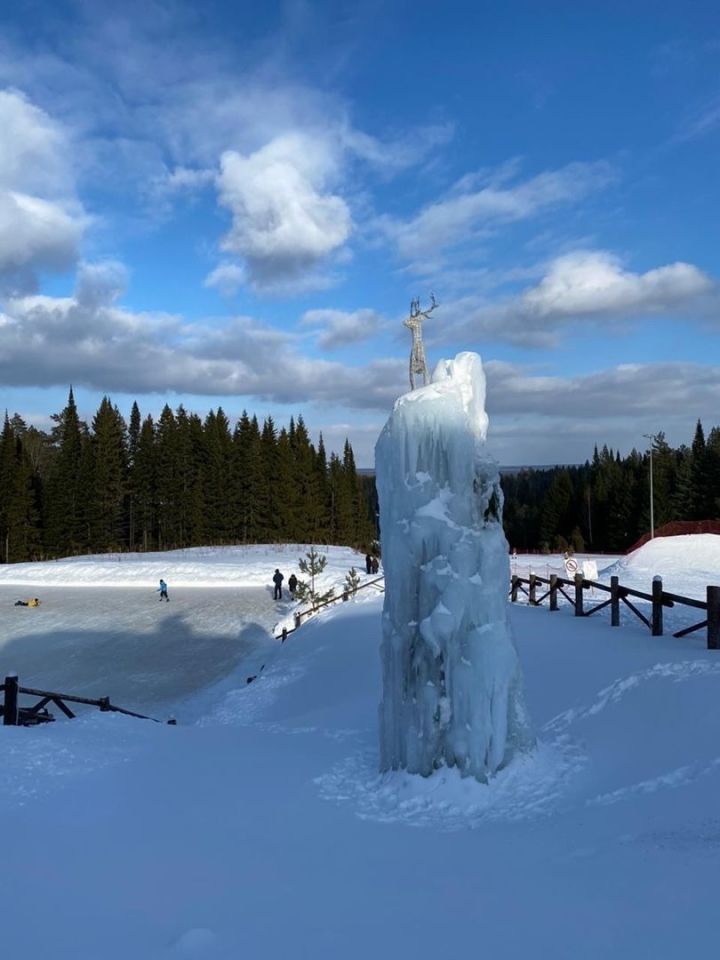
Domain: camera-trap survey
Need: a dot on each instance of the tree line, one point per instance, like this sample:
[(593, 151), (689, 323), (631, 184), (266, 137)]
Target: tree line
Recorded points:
[(604, 505), (176, 482)]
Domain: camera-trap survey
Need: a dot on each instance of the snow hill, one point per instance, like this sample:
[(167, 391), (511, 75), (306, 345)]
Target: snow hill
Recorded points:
[(259, 826), (687, 564)]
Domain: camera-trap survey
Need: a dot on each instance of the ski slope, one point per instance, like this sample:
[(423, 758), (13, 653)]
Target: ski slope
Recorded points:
[(260, 827)]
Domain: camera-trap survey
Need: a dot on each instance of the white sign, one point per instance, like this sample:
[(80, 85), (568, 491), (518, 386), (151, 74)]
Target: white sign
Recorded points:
[(590, 571), (571, 566)]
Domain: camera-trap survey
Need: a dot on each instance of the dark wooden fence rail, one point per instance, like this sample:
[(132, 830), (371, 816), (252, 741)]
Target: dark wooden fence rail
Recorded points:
[(14, 715), (658, 598), (299, 615)]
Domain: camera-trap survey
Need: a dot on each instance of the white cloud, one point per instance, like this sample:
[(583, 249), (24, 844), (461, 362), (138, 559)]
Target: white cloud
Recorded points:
[(594, 282), (338, 328), (90, 341), (285, 219), (590, 285), (41, 222), (467, 213)]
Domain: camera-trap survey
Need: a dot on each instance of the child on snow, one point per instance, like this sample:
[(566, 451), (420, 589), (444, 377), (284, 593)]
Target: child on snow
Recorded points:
[(163, 592)]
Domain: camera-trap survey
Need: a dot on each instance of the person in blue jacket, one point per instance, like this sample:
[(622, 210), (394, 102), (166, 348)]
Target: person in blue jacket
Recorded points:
[(163, 592)]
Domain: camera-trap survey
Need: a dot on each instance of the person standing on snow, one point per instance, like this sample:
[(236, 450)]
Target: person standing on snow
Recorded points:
[(163, 592), (368, 563), (292, 585), (277, 580)]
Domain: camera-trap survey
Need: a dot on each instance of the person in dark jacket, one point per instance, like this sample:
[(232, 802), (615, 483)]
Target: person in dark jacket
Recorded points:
[(277, 580), (368, 563), (292, 585), (375, 565)]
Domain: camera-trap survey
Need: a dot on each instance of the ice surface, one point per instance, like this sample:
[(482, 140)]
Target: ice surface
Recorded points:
[(125, 644), (452, 690)]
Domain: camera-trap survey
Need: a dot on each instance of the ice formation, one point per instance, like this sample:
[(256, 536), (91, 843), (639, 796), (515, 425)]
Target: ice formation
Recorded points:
[(452, 687)]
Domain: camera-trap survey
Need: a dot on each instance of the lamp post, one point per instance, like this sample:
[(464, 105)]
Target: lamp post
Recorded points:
[(652, 437)]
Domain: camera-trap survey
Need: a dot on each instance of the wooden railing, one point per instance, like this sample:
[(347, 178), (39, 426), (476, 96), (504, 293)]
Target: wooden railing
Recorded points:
[(658, 598), (14, 715), (299, 615)]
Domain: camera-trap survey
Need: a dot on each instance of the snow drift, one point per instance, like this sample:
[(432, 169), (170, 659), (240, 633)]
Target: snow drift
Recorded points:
[(451, 679), (686, 563)]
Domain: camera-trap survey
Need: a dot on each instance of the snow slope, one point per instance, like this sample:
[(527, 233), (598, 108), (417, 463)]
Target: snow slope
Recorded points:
[(687, 564), (247, 566), (259, 826)]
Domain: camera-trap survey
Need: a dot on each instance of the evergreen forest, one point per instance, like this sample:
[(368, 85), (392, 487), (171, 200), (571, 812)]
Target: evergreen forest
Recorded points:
[(176, 482), (604, 505), (181, 481)]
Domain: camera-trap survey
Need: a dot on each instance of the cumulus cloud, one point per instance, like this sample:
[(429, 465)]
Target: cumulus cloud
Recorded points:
[(89, 340), (338, 328), (285, 218), (590, 285), (594, 282), (469, 211), (41, 222)]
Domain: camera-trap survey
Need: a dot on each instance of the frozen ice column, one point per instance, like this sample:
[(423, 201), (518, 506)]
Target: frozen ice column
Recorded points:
[(452, 687)]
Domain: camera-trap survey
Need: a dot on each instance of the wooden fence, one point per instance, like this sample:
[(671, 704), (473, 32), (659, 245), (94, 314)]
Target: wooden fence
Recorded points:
[(14, 715), (658, 598), (301, 615)]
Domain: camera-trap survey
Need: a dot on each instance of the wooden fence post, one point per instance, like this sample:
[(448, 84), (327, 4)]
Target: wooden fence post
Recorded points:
[(283, 635), (614, 601), (713, 621), (514, 588), (298, 620), (10, 710), (657, 610), (579, 595), (532, 591), (553, 592)]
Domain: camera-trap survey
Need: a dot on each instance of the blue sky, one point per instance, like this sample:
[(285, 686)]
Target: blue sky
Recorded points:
[(233, 204)]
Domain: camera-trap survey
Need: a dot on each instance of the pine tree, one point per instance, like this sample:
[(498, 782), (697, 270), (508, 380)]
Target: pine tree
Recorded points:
[(285, 505), (712, 450), (19, 535), (267, 527), (65, 497), (352, 581), (321, 505), (134, 427), (108, 471), (144, 481), (312, 566), (700, 501), (169, 481)]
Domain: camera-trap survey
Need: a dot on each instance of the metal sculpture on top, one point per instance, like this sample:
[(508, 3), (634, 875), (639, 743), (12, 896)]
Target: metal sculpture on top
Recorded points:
[(418, 363)]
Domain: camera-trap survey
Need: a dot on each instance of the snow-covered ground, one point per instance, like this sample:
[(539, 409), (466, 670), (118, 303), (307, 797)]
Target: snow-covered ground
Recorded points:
[(249, 566), (259, 827)]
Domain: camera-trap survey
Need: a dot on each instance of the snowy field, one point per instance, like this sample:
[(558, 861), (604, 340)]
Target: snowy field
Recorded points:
[(258, 827)]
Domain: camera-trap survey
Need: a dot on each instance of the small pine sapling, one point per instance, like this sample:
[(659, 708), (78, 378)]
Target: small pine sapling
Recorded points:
[(305, 592), (352, 581)]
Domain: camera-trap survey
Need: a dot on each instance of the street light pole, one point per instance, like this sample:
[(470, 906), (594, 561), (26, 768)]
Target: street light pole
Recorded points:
[(652, 438)]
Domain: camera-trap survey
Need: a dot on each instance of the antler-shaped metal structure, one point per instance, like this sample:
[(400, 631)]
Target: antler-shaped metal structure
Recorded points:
[(418, 363)]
